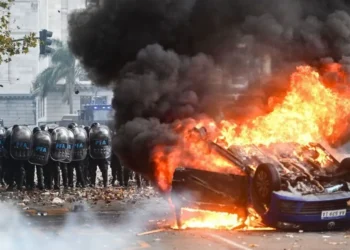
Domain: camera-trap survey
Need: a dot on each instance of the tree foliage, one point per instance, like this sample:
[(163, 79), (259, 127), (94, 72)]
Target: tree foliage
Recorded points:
[(10, 46), (63, 66)]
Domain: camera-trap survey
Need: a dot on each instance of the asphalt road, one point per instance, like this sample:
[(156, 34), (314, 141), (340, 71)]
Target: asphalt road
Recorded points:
[(133, 228)]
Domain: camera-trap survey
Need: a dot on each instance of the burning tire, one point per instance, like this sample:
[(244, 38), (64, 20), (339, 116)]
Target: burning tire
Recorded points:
[(266, 180)]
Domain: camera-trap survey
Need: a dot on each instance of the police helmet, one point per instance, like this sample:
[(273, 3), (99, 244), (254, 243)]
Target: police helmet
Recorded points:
[(72, 125), (95, 124), (36, 129), (87, 129), (44, 128)]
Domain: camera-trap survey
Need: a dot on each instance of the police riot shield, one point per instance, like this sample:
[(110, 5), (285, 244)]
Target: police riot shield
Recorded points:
[(80, 144), (100, 142), (70, 151), (2, 141), (41, 148), (59, 144), (21, 143), (7, 142)]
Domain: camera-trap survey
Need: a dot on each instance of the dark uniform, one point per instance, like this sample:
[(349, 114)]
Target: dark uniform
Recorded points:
[(16, 169), (55, 168), (2, 167), (30, 170), (64, 173), (52, 175), (86, 161), (78, 167), (100, 161), (102, 164), (2, 172), (120, 173), (47, 172), (75, 164)]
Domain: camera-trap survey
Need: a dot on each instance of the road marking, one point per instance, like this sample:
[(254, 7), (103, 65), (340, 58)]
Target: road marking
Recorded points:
[(230, 242)]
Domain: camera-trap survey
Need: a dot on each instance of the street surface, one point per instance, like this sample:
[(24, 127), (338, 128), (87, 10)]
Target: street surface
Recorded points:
[(131, 227)]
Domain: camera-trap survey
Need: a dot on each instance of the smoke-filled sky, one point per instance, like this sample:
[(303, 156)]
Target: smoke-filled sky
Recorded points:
[(171, 60)]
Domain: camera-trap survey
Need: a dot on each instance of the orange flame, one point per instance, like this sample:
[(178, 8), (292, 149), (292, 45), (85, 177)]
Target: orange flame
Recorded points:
[(310, 112), (196, 218)]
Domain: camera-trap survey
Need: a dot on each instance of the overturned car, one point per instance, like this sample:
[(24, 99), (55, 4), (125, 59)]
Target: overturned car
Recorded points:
[(287, 185)]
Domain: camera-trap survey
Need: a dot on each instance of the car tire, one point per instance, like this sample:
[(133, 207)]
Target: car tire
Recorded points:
[(266, 180)]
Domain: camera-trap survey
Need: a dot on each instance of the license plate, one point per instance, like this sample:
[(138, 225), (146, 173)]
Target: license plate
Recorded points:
[(333, 213)]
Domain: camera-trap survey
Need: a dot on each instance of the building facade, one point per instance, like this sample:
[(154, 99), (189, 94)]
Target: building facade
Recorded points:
[(17, 109), (18, 75), (51, 108)]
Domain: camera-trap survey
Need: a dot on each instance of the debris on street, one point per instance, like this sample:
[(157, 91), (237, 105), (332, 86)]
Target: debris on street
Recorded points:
[(70, 197), (151, 232)]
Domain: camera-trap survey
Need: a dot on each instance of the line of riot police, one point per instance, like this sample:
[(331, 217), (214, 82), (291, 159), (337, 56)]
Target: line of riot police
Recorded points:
[(55, 153)]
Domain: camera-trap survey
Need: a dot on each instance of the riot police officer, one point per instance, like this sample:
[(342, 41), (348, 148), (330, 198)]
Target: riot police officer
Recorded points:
[(39, 157), (119, 172), (61, 152), (48, 170), (86, 161), (30, 169), (99, 153), (40, 168), (116, 168), (18, 146), (77, 163)]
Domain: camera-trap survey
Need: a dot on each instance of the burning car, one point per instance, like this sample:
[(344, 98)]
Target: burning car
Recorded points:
[(287, 185)]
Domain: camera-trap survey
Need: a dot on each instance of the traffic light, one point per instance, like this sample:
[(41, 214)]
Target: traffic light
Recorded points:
[(45, 42)]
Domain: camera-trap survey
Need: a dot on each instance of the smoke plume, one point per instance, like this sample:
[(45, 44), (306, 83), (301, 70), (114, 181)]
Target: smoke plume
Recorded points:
[(170, 61)]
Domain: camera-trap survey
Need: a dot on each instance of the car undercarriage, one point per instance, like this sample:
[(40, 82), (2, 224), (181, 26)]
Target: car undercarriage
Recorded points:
[(288, 177)]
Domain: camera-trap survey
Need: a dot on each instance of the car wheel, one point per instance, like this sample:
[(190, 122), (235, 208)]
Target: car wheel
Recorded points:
[(266, 180)]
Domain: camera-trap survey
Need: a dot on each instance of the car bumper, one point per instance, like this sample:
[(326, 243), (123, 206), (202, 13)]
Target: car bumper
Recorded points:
[(288, 211)]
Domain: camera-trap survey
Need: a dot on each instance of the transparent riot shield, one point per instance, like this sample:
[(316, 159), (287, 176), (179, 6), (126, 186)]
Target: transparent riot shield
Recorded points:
[(80, 144), (21, 143), (100, 142), (7, 143), (59, 144), (70, 151), (41, 148)]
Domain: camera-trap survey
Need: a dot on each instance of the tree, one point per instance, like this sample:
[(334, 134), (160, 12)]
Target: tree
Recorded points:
[(63, 67), (8, 45)]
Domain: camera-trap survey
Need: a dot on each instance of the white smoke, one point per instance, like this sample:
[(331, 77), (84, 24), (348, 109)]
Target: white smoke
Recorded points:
[(81, 230)]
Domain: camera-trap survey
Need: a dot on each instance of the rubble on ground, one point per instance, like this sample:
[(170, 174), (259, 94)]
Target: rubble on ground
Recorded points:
[(68, 197)]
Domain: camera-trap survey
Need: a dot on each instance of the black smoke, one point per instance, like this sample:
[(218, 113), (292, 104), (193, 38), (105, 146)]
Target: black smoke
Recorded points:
[(170, 61)]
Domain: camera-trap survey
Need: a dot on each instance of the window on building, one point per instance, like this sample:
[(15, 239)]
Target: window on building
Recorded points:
[(41, 107)]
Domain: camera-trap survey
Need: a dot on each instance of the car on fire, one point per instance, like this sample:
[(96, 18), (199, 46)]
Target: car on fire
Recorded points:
[(288, 186)]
